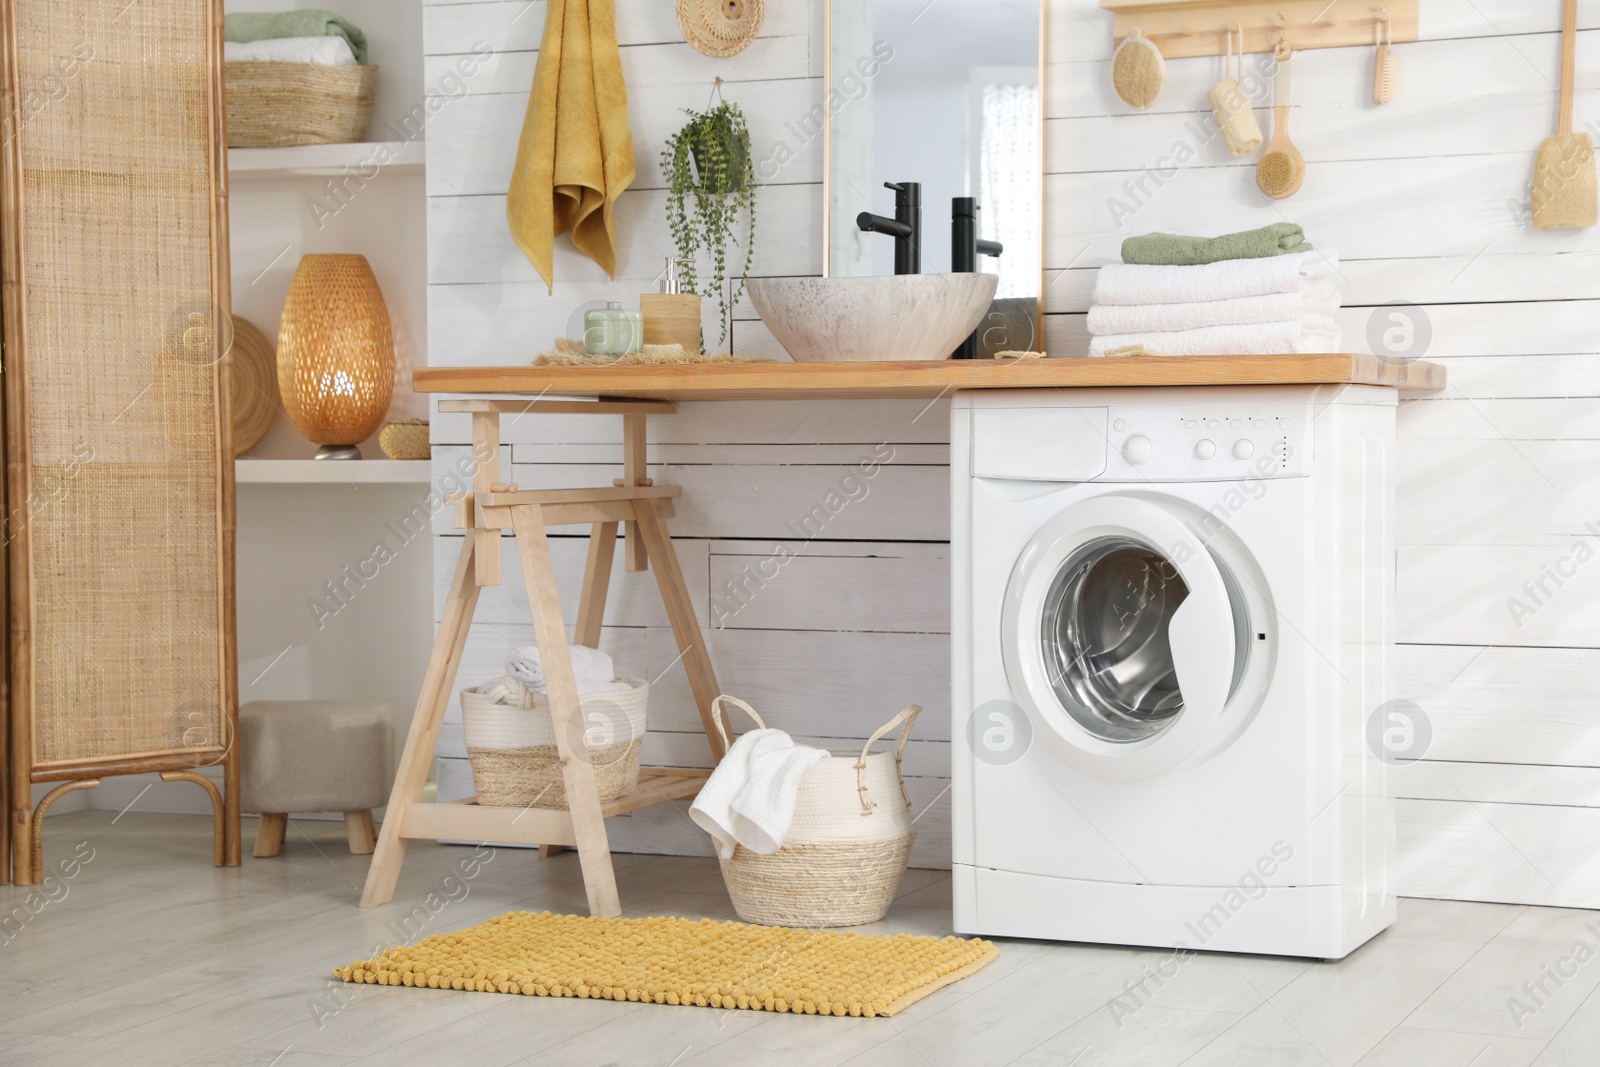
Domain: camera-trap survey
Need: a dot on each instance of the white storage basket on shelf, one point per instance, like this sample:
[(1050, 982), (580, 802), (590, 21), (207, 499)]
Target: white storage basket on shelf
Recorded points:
[(847, 847), (511, 742)]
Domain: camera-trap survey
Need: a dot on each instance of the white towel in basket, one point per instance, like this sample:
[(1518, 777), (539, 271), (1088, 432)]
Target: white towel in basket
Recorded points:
[(323, 51), (592, 670), (750, 798)]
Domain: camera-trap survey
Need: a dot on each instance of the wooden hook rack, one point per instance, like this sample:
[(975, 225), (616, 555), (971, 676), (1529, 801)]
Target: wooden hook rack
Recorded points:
[(1183, 28)]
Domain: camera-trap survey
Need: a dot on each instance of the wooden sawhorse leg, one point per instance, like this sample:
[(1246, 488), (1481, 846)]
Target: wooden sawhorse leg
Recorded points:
[(423, 737), (577, 773)]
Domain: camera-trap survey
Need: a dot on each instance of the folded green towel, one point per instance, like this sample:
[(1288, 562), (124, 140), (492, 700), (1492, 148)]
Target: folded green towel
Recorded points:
[(270, 25), (1175, 250)]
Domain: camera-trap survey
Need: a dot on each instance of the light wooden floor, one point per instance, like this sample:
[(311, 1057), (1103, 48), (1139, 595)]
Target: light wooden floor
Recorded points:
[(154, 957)]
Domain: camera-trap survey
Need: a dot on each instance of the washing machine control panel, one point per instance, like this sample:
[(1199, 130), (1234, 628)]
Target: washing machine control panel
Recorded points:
[(1203, 443)]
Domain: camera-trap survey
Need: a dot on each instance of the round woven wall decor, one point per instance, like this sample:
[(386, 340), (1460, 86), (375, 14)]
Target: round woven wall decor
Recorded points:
[(255, 385), (719, 28)]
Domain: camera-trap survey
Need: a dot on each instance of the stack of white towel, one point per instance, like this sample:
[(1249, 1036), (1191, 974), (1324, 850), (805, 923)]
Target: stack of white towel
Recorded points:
[(1233, 307), (323, 51)]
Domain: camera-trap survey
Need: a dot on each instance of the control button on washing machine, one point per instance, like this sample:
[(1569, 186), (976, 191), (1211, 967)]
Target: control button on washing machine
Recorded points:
[(1259, 423), (1189, 424), (1244, 448), (1138, 450), (1213, 423), (1204, 449), (1120, 425), (1237, 424)]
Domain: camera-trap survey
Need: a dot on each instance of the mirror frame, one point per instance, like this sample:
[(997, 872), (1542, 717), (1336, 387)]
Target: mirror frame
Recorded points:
[(1044, 152)]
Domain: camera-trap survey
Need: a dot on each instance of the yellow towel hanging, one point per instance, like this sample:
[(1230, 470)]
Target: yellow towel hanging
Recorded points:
[(576, 153)]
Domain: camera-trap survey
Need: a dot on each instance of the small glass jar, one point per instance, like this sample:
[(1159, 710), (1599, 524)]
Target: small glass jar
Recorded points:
[(612, 331)]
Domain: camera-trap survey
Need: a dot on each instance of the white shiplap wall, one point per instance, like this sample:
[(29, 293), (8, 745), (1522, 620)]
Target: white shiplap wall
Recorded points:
[(1418, 198)]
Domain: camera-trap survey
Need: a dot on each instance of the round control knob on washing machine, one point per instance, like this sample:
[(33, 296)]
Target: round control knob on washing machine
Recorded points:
[(1138, 450), (1244, 448), (1204, 449)]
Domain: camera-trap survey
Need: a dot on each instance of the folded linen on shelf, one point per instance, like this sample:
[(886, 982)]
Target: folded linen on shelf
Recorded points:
[(1173, 249), (1136, 283), (244, 26), (321, 51), (750, 798), (1314, 334), (592, 670), (1311, 298)]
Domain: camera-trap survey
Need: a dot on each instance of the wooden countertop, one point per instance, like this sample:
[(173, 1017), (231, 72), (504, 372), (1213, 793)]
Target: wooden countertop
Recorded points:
[(791, 381)]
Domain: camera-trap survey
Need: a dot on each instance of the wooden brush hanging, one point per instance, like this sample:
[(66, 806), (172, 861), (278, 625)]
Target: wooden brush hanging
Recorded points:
[(1384, 74)]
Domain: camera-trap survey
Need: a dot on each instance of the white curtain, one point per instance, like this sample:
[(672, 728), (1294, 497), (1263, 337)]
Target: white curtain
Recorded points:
[(1008, 194)]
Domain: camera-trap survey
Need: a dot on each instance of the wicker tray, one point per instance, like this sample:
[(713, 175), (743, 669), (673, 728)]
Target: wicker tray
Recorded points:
[(273, 105)]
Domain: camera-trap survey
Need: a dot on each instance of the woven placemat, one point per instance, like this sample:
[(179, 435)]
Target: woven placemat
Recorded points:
[(704, 963)]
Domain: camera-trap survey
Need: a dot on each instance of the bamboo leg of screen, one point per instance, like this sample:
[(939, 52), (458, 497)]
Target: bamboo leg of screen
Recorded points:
[(231, 833), (550, 632), (219, 836), (423, 737), (36, 826), (680, 612)]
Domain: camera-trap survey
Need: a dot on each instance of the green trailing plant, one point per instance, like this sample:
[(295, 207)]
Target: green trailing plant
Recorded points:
[(711, 185)]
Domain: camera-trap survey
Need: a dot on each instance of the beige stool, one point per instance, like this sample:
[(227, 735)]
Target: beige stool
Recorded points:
[(315, 755)]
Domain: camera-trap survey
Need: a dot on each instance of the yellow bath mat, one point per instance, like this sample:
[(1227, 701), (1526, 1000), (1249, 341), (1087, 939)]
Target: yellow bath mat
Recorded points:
[(682, 961)]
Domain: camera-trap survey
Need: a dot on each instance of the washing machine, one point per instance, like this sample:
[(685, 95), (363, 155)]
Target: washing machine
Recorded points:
[(1171, 627)]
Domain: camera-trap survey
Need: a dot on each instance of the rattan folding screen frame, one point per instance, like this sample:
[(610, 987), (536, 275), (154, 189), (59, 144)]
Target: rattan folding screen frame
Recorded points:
[(119, 532)]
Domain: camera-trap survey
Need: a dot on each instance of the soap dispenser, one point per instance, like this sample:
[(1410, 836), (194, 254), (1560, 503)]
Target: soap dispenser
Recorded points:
[(671, 317)]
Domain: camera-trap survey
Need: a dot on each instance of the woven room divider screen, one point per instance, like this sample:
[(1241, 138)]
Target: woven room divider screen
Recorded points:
[(118, 430)]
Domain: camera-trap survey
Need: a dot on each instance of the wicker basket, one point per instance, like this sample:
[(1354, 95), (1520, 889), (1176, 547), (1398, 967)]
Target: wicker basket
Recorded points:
[(271, 105), (511, 741), (848, 844), (406, 439)]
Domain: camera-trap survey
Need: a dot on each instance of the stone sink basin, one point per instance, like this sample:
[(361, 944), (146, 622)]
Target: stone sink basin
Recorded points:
[(899, 316)]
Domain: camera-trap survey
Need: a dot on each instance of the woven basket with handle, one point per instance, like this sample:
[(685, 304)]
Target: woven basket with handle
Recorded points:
[(847, 847), (511, 740), (274, 105)]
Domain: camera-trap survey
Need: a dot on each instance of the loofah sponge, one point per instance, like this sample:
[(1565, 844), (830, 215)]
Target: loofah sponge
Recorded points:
[(664, 960), (1137, 70)]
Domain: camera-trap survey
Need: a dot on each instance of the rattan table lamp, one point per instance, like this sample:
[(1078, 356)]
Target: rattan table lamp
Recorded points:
[(335, 354)]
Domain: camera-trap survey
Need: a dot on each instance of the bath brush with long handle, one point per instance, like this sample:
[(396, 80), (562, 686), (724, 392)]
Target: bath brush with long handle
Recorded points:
[(1281, 169)]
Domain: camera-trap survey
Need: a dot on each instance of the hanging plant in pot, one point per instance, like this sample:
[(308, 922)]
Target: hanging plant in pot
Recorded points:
[(711, 201)]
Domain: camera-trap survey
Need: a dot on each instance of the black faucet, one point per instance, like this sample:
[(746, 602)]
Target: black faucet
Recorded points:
[(965, 248), (905, 227)]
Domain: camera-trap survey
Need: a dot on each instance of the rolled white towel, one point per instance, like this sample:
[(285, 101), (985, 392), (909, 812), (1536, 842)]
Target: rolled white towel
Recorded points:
[(592, 670), (1136, 283), (1312, 298), (1314, 335), (750, 798), (333, 51)]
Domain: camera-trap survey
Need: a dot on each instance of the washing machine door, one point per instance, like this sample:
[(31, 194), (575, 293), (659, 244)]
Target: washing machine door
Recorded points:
[(1121, 637)]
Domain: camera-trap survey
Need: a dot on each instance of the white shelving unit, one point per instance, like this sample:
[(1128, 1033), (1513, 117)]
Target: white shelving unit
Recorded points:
[(332, 472), (364, 159)]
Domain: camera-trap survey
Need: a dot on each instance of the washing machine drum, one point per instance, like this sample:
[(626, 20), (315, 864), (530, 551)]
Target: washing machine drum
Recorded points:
[(1124, 637)]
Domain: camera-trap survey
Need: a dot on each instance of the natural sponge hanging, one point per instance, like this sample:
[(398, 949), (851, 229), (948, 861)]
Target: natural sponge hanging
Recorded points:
[(1137, 70)]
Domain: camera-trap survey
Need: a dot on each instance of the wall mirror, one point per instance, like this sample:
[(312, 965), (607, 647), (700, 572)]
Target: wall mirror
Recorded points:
[(950, 95)]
